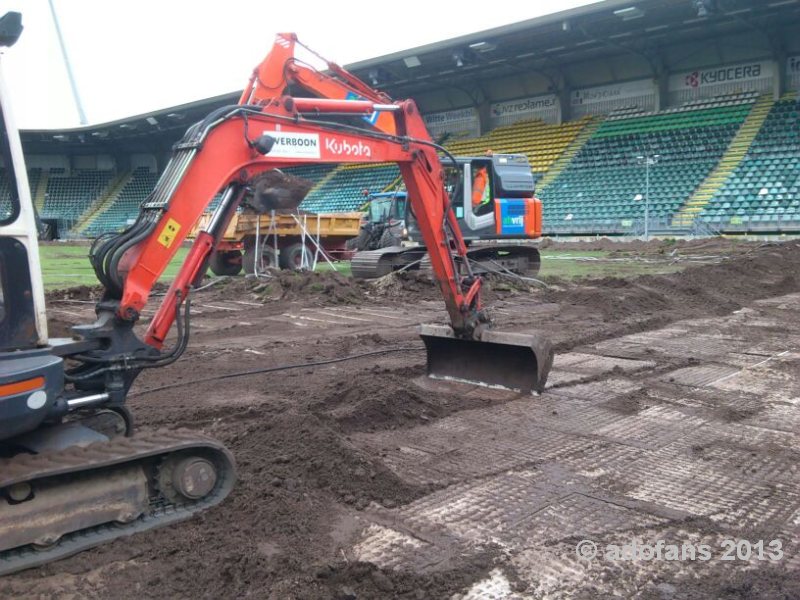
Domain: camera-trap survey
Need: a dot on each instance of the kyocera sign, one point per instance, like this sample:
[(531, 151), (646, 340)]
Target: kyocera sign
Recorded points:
[(701, 78), (723, 75)]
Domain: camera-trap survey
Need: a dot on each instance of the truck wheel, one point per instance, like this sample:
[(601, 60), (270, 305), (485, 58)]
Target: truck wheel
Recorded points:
[(226, 262), (359, 242), (292, 257), (388, 239), (268, 259)]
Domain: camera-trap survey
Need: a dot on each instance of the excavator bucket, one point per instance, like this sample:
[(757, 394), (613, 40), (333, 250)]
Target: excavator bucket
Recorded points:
[(510, 360), (276, 190)]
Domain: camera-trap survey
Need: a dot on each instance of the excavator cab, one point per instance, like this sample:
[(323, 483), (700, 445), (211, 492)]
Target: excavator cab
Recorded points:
[(493, 197), (30, 377), (387, 206)]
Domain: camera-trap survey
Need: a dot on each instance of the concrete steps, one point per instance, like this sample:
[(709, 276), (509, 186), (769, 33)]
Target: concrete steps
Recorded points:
[(41, 191)]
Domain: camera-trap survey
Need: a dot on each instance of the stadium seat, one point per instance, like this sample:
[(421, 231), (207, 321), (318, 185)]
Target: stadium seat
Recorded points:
[(68, 196), (125, 207), (541, 142), (763, 191), (344, 190), (602, 189)]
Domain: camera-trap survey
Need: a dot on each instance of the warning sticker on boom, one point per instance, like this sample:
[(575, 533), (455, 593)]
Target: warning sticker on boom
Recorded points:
[(294, 145), (169, 233)]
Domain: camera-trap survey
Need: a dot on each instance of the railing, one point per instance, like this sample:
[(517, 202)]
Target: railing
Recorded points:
[(662, 226)]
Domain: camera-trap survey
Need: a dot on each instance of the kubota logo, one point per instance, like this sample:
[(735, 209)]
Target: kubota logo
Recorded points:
[(345, 148)]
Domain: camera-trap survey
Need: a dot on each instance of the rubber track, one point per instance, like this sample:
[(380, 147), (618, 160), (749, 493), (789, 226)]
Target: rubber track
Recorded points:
[(119, 451), (367, 264)]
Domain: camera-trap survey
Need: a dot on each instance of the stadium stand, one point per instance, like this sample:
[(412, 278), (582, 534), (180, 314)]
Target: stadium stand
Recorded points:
[(763, 192), (68, 196), (582, 110), (594, 185), (122, 207), (542, 143), (688, 214), (602, 189), (5, 196), (344, 190)]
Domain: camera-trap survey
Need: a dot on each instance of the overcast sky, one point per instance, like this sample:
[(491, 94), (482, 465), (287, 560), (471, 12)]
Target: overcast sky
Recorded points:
[(134, 56)]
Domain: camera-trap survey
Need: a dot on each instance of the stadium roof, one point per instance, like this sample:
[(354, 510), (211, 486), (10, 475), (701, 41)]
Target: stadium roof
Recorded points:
[(648, 29), (662, 35)]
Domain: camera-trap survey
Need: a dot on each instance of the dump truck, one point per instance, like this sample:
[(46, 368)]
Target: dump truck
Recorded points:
[(253, 243)]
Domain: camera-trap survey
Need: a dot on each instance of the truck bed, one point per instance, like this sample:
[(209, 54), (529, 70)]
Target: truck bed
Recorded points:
[(326, 225)]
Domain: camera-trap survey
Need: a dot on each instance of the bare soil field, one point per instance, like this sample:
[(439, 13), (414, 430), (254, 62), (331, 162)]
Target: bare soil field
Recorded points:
[(672, 415)]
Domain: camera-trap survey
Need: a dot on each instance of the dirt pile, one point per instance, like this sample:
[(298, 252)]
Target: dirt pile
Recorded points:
[(275, 286), (714, 245), (704, 290), (331, 288), (380, 398), (412, 286), (78, 292)]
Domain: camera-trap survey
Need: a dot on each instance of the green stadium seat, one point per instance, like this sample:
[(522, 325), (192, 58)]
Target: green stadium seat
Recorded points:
[(604, 184), (766, 180)]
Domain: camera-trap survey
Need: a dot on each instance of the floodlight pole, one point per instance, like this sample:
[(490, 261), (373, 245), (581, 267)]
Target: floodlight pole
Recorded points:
[(647, 160), (73, 85)]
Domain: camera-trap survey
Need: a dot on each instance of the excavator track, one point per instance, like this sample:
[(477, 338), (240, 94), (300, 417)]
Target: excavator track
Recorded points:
[(67, 474), (371, 264), (519, 259)]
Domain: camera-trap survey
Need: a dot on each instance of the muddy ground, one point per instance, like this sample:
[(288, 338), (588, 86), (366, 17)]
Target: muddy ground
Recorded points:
[(362, 480)]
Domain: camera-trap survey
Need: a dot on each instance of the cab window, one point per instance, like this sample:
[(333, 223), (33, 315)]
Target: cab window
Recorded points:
[(482, 200), (2, 290), (9, 200)]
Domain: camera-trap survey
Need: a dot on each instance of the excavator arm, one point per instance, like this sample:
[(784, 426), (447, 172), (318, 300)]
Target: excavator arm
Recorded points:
[(226, 155), (273, 77), (226, 152)]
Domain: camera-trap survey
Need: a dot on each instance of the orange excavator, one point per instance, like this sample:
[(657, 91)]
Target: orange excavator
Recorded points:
[(72, 472)]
